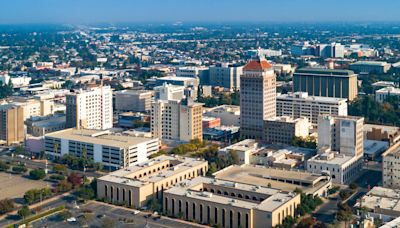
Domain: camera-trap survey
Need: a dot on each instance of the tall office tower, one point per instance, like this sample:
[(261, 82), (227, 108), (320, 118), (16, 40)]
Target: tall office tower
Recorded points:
[(90, 109), (179, 120), (169, 92), (226, 75), (257, 97), (11, 124), (326, 82), (343, 134), (333, 50)]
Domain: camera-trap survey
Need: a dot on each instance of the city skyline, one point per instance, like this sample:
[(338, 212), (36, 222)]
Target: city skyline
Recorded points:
[(121, 11)]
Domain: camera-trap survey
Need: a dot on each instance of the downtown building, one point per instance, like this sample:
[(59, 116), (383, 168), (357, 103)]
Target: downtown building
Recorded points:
[(177, 120), (11, 124), (340, 148), (300, 104), (114, 151), (326, 83), (257, 98), (226, 76), (133, 100), (90, 109)]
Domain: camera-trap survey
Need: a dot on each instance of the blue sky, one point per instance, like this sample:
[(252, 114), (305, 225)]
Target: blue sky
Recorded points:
[(100, 11)]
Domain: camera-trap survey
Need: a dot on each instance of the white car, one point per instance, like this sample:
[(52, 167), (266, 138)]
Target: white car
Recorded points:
[(72, 219), (135, 212)]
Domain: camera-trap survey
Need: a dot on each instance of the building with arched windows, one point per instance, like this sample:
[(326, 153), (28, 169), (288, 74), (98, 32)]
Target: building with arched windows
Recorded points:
[(229, 204), (135, 185)]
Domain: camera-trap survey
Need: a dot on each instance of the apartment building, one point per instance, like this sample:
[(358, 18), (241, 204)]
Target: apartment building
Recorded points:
[(326, 82), (11, 124), (257, 97), (300, 104), (90, 109), (133, 100), (282, 130), (135, 185), (179, 120), (226, 75), (114, 151)]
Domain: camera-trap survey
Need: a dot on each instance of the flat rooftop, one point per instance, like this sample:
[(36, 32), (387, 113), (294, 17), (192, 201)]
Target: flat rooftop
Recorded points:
[(337, 159), (325, 72), (382, 198), (283, 179), (272, 198), (127, 175), (298, 96), (105, 138), (389, 129)]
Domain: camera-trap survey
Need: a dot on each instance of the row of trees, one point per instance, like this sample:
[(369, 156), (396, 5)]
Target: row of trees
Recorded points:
[(231, 99), (375, 112)]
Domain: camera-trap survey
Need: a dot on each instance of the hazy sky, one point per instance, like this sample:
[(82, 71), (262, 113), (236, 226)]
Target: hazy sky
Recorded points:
[(92, 11)]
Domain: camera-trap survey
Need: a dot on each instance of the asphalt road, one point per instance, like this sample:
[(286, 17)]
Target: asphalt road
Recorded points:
[(117, 214)]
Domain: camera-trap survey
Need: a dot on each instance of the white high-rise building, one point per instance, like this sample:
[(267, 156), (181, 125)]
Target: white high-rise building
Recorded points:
[(90, 109), (169, 92)]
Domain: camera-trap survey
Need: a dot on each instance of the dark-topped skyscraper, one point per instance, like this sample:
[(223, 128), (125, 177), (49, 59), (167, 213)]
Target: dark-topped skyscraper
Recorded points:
[(257, 97), (326, 82)]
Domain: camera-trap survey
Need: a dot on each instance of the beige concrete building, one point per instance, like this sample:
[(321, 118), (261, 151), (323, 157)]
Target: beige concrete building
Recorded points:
[(383, 203), (385, 133), (226, 75), (257, 97), (33, 107), (133, 100), (340, 148), (300, 104), (90, 109), (282, 179), (134, 186), (177, 120), (344, 134), (282, 130), (11, 124), (229, 204), (391, 167)]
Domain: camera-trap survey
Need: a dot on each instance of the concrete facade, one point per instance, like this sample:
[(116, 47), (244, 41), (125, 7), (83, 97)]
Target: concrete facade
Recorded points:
[(133, 100), (11, 124), (300, 104)]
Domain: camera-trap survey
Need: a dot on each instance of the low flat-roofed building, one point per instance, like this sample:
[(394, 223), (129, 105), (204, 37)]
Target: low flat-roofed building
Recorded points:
[(135, 185), (382, 201), (373, 149), (392, 224), (114, 151), (370, 67), (389, 134), (342, 168), (282, 179), (229, 203), (39, 126), (381, 95), (229, 114), (283, 129), (281, 156)]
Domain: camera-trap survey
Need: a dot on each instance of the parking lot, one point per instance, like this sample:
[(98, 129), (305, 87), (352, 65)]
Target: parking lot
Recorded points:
[(97, 213), (14, 186)]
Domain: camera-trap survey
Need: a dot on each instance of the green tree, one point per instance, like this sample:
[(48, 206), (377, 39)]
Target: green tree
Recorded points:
[(85, 192), (19, 169), (37, 174), (213, 168), (4, 166), (24, 212)]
